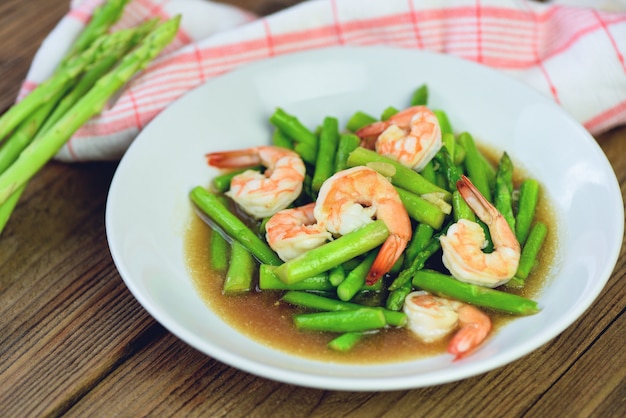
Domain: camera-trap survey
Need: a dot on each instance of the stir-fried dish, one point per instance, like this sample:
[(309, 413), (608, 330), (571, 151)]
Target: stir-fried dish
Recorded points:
[(398, 206)]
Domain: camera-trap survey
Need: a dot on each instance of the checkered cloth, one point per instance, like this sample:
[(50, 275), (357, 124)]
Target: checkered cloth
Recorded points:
[(568, 50)]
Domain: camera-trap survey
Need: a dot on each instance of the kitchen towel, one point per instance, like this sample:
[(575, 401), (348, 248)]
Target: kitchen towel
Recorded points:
[(571, 51)]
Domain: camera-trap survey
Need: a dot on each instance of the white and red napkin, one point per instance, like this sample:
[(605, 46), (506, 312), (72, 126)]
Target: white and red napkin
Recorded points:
[(572, 51)]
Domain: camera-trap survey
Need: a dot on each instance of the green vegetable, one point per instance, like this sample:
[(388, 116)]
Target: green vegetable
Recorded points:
[(357, 320), (24, 134), (355, 279), (51, 89), (325, 163), (475, 166), (417, 263), (444, 122), (420, 96), (421, 209), (388, 112), (421, 237), (347, 144), (233, 226), (400, 175), (429, 173), (239, 275), (102, 19), (345, 342), (327, 256), (451, 172), (294, 129), (40, 151), (531, 249), (321, 303), (221, 183), (504, 190), (447, 286), (359, 120), (219, 249), (280, 139), (527, 205), (269, 281), (395, 299), (461, 209), (337, 275), (128, 39)]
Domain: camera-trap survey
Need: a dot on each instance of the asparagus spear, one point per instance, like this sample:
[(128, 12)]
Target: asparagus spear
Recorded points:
[(527, 205), (218, 251), (420, 209), (418, 262), (355, 279), (101, 20), (504, 189), (401, 176), (531, 249), (421, 238), (345, 342), (40, 151), (233, 226), (388, 112), (325, 162), (447, 286), (24, 134), (444, 122), (327, 256), (269, 281), (240, 271), (321, 303), (52, 87), (475, 165), (292, 126), (347, 143), (420, 96), (40, 120), (128, 39), (363, 319), (358, 120)]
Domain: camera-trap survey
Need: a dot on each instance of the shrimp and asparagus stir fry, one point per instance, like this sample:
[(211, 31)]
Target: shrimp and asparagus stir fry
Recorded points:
[(390, 222)]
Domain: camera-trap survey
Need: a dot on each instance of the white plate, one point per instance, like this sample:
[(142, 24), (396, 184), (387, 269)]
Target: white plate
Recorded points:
[(148, 206)]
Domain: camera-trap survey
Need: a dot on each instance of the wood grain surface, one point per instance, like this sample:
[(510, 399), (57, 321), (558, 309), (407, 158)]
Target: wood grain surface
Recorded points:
[(74, 342)]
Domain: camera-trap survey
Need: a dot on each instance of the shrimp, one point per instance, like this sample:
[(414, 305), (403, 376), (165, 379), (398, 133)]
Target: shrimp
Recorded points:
[(411, 137), (262, 195), (431, 318), (291, 232), (463, 243), (351, 199)]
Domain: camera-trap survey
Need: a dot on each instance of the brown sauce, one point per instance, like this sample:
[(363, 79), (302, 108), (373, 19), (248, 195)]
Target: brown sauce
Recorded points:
[(262, 317)]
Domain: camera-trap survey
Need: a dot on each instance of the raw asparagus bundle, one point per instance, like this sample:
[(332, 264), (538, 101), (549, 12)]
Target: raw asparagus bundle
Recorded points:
[(98, 64)]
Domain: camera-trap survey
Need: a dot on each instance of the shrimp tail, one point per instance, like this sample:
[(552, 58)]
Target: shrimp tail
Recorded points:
[(475, 326), (476, 201), (233, 159), (372, 130), (389, 253)]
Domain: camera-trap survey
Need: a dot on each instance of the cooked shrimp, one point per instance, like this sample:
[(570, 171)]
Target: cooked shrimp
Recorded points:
[(351, 199), (412, 137), (431, 318), (464, 241), (262, 195), (291, 232)]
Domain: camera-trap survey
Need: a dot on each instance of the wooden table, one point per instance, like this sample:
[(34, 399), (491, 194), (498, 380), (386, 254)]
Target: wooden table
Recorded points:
[(73, 341)]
